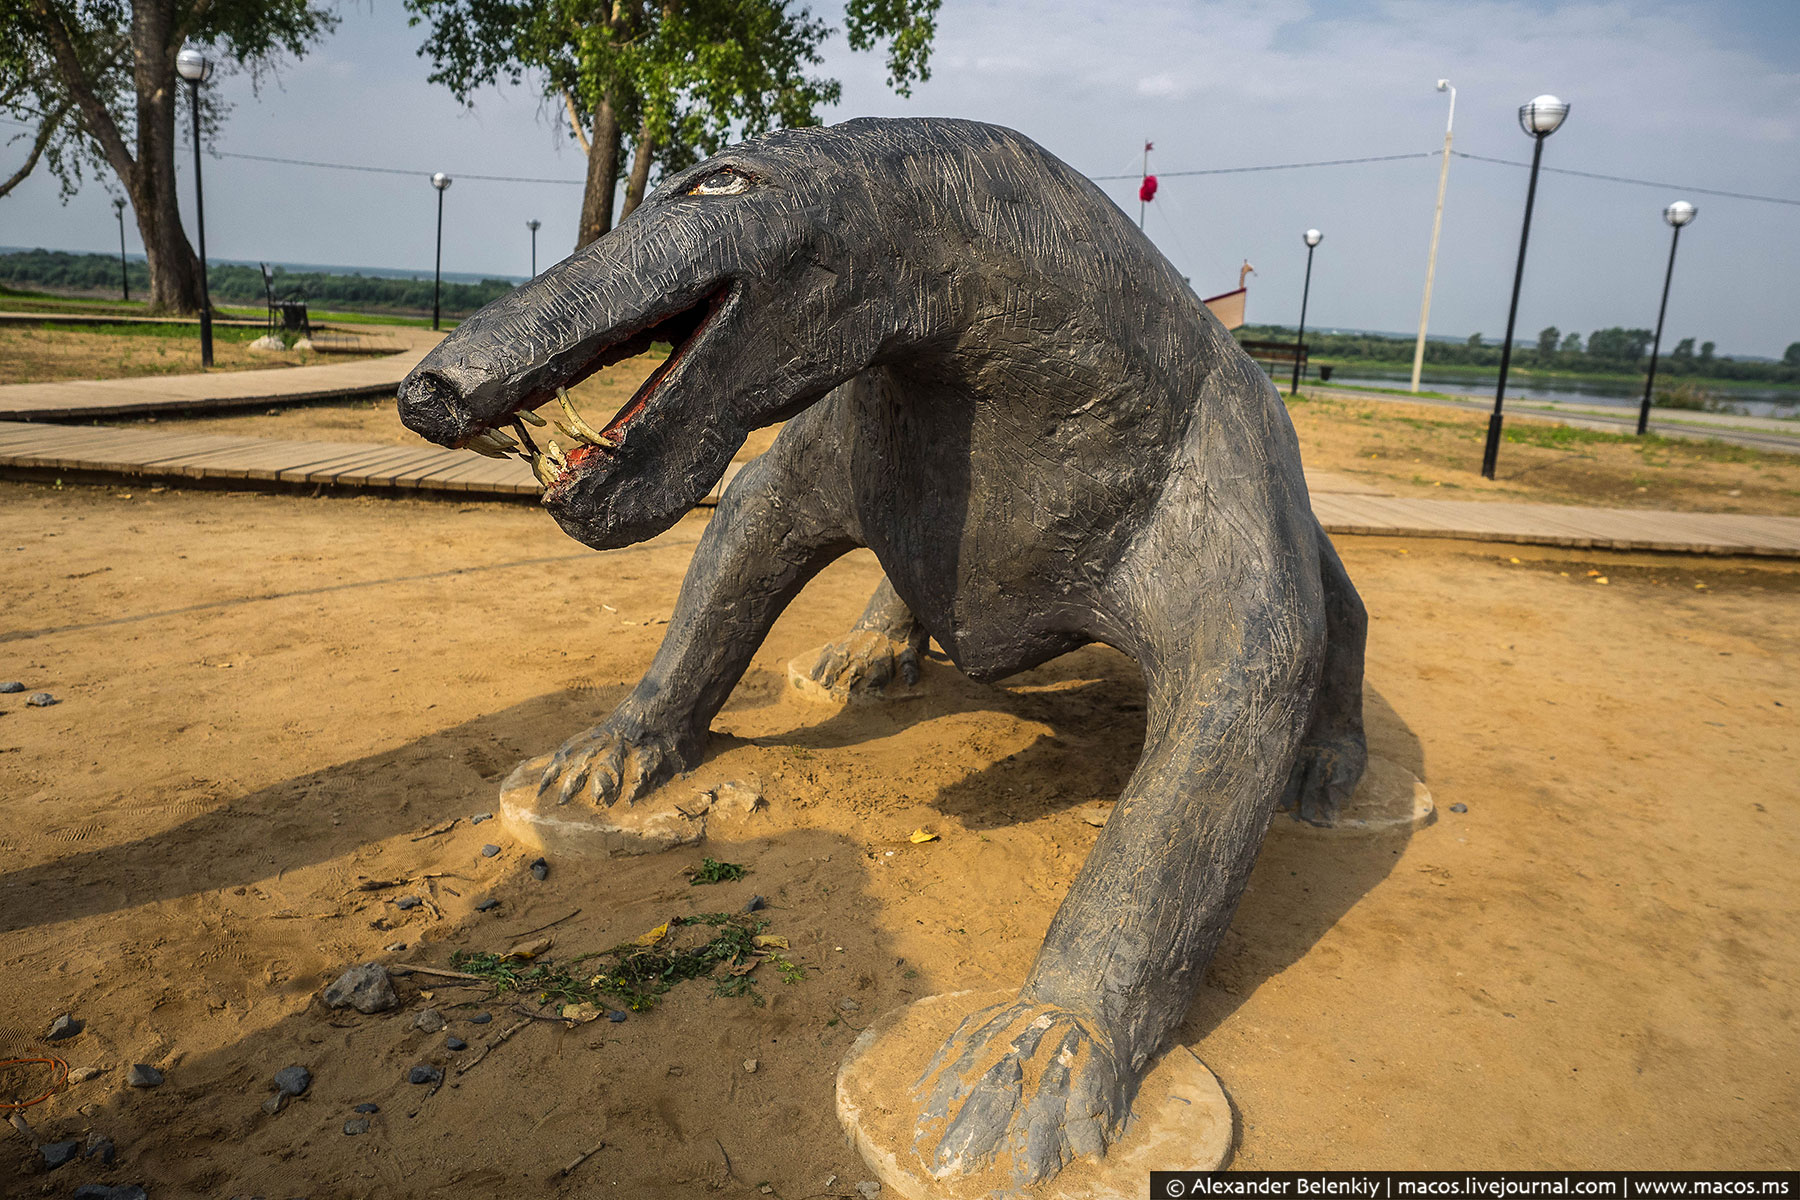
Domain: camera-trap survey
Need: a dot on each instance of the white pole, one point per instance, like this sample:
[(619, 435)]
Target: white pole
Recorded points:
[(1437, 223)]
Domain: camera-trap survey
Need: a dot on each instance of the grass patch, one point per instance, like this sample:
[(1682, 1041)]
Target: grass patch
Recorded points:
[(178, 333), (637, 975), (711, 870)]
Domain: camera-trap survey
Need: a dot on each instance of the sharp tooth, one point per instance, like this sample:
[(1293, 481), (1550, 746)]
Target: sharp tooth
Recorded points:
[(554, 453), (486, 448), (579, 429), (531, 418), (503, 439), (545, 473)]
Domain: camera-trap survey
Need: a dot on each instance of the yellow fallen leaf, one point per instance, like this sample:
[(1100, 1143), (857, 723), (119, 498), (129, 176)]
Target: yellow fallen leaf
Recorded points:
[(923, 835), (654, 936), (1601, 579), (748, 965), (529, 949), (1512, 560), (769, 941), (581, 1013)]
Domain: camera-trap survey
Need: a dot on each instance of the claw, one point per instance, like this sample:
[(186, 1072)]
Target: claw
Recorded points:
[(540, 466), (526, 415), (579, 429)]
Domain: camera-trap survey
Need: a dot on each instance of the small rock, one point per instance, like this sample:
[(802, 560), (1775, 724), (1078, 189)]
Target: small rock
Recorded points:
[(487, 906), (848, 1005), (455, 1043), (617, 1016), (429, 1019), (101, 1147), (739, 797), (293, 1081), (831, 1181), (394, 947), (356, 1125), (407, 903), (144, 1075), (11, 686), (489, 850), (425, 1073), (64, 1026), (478, 818), (756, 904), (57, 1153), (367, 1108), (99, 1191), (750, 1065), (365, 988), (274, 1103), (83, 1074), (40, 700), (540, 869), (481, 1018), (677, 1072), (868, 1189), (1459, 807)]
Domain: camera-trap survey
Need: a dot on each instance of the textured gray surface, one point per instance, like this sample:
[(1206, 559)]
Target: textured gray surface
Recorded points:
[(994, 382)]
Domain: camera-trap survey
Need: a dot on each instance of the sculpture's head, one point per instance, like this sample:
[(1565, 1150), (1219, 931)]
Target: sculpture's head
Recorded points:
[(775, 271)]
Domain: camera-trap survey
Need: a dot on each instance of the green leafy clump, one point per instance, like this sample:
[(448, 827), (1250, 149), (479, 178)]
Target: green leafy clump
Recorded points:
[(637, 974), (711, 870)]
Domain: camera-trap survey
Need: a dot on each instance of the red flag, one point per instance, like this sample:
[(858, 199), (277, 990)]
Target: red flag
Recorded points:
[(1147, 189)]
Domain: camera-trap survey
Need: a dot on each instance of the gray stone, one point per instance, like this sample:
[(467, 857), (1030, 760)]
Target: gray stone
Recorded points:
[(143, 1075), (407, 903), (1459, 808), (540, 869), (489, 850), (868, 1189), (481, 1018), (356, 1125), (101, 1147), (367, 1108), (83, 1074), (57, 1153), (365, 988), (848, 1005), (11, 686), (429, 1019), (293, 1081), (455, 1043), (394, 947), (756, 904), (618, 1016), (478, 818), (64, 1026), (41, 700), (487, 906), (275, 1103), (425, 1073)]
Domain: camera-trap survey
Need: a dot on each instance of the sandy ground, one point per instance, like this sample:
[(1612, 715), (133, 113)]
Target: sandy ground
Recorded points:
[(268, 701)]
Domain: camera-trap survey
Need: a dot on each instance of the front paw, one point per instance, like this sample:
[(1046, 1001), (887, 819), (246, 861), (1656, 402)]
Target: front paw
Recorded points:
[(1030, 1083), (862, 664), (617, 760)]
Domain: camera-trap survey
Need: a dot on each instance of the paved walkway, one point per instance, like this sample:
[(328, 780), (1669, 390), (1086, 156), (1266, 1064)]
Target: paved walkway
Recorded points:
[(86, 399), (1343, 505)]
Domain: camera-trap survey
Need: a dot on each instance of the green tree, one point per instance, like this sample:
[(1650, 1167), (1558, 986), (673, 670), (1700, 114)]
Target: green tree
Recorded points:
[(1791, 356), (1706, 353), (1617, 345), (1474, 340), (1684, 350), (95, 81), (1548, 339), (1572, 344), (683, 75)]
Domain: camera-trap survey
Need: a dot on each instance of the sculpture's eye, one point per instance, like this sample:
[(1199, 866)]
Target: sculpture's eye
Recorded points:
[(723, 182)]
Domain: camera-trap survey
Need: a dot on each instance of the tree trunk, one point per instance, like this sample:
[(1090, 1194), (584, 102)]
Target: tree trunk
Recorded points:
[(174, 268), (602, 177), (640, 170)]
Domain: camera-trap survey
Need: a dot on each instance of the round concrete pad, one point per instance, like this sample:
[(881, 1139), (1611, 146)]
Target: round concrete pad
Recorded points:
[(1179, 1121), (1389, 798), (581, 828)]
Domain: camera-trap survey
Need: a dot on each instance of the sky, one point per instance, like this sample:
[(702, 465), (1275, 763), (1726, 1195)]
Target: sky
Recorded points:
[(1694, 95)]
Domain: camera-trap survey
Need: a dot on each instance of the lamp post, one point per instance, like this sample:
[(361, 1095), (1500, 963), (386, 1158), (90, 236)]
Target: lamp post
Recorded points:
[(441, 182), (533, 225), (124, 278), (194, 67), (1540, 119), (1437, 223), (1677, 214), (1312, 238)]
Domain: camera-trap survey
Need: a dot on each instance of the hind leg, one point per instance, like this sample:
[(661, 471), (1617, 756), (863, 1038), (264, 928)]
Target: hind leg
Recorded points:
[(885, 644), (1333, 752)]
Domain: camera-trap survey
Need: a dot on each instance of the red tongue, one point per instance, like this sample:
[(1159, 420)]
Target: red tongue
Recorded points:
[(579, 454)]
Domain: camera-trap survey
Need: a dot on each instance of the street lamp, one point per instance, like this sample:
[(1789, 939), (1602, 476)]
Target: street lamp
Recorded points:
[(1437, 223), (1312, 238), (194, 67), (533, 225), (1540, 119), (124, 279), (1677, 214), (441, 182)]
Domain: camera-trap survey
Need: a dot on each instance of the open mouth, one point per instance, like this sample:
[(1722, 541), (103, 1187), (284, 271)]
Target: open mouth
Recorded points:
[(556, 464)]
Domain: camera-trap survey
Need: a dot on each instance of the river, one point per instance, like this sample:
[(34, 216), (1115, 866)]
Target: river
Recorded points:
[(1622, 393)]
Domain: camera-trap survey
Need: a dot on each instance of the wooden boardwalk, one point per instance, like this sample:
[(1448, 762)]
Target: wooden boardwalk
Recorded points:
[(1343, 505), (86, 399)]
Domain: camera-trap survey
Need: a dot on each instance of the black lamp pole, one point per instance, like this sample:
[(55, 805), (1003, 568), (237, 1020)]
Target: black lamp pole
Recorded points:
[(1677, 214), (124, 277), (1540, 119), (441, 182), (206, 347), (533, 225), (1312, 238)]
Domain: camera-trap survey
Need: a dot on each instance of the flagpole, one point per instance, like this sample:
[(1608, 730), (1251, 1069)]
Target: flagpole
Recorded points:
[(1142, 203)]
